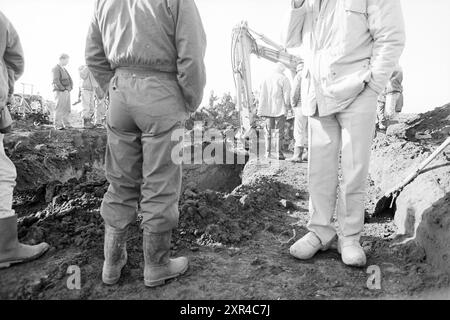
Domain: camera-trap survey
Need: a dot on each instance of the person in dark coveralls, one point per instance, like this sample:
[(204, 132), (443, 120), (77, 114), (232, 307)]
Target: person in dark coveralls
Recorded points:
[(149, 54)]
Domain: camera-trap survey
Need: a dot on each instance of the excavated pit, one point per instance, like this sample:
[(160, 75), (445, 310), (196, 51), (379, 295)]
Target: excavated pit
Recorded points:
[(60, 186)]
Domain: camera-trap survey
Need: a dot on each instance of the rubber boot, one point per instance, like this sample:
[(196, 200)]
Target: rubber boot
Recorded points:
[(298, 155), (158, 266), (115, 254), (87, 124), (305, 155), (11, 250)]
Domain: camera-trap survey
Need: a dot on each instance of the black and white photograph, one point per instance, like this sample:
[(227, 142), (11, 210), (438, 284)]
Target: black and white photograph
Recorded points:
[(224, 157)]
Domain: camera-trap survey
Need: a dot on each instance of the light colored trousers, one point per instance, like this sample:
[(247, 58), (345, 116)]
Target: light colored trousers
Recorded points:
[(274, 133), (62, 109), (7, 182), (348, 133), (92, 109), (88, 102), (300, 129), (100, 112), (144, 112)]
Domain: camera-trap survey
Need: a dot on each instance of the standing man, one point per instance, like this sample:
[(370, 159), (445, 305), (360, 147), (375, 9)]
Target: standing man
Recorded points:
[(62, 86), (390, 102), (274, 102), (352, 48), (11, 68), (300, 121), (151, 55)]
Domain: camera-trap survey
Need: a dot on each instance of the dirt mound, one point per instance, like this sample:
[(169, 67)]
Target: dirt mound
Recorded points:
[(434, 125), (68, 214), (421, 208), (70, 154)]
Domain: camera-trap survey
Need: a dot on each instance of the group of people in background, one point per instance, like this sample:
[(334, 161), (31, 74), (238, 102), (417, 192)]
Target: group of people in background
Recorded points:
[(276, 98), (91, 96)]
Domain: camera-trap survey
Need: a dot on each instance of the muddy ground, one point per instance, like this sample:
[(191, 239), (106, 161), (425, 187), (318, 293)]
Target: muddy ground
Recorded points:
[(236, 235)]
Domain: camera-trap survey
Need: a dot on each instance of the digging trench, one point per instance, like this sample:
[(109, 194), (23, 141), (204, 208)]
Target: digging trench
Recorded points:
[(79, 155)]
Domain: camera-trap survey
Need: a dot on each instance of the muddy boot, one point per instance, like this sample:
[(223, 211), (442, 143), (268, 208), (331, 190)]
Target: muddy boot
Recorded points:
[(87, 124), (298, 153), (115, 254), (11, 250), (305, 155), (158, 266)]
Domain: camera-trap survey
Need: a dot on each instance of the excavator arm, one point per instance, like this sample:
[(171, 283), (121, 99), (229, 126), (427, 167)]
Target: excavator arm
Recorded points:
[(244, 44)]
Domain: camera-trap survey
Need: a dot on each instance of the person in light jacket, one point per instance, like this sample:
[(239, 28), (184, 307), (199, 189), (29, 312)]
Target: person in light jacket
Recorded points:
[(150, 54), (274, 102), (62, 86), (351, 49)]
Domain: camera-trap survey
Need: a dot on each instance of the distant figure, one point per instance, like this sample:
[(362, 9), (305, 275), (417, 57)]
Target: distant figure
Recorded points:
[(274, 102), (62, 86), (151, 56), (92, 99), (390, 102), (11, 68), (300, 122)]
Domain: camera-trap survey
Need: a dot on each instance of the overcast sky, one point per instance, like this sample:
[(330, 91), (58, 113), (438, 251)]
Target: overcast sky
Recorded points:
[(50, 27)]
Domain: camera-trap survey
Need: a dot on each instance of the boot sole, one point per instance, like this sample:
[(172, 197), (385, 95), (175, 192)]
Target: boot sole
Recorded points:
[(7, 264), (161, 282)]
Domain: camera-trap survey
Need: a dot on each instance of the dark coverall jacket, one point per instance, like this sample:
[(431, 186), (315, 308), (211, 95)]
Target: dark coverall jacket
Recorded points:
[(150, 53)]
